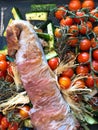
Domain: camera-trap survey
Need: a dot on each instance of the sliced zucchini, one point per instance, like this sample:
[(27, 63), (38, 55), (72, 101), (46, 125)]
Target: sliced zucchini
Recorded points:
[(4, 34), (51, 55), (16, 13), (42, 7), (50, 32), (37, 16), (5, 51), (90, 120), (45, 36)]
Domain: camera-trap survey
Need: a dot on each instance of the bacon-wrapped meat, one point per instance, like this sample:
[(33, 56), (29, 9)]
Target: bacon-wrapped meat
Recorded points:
[(50, 111)]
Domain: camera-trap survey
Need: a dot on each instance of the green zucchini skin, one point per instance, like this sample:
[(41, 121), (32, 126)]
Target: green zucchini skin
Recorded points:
[(45, 36), (51, 55), (43, 7), (16, 13)]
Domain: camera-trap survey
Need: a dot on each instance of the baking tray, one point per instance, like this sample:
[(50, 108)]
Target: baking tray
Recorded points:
[(24, 6)]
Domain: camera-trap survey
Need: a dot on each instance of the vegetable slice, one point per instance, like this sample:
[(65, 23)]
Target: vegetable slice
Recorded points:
[(50, 31), (36, 16), (16, 13), (42, 7)]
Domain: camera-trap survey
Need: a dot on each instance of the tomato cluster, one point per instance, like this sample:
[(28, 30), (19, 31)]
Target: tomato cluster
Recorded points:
[(5, 124), (5, 69), (78, 28)]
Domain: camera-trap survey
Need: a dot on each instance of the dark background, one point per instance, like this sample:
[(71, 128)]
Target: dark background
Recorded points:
[(24, 6)]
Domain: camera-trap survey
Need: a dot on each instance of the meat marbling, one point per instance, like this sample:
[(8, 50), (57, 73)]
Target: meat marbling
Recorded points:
[(50, 111)]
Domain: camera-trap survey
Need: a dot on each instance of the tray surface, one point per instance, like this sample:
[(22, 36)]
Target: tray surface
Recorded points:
[(24, 6)]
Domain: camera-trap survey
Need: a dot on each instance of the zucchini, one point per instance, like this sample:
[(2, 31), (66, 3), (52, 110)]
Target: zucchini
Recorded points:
[(27, 123), (4, 34), (51, 55), (37, 16), (4, 51), (42, 7), (16, 13), (45, 36), (51, 32), (90, 120)]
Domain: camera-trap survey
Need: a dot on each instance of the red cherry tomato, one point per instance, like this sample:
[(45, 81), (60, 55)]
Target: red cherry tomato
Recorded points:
[(95, 65), (80, 83), (4, 122), (24, 111), (68, 72), (82, 69), (74, 5), (66, 21), (80, 16), (94, 42), (95, 30), (64, 82), (61, 11), (93, 13), (95, 54), (9, 78), (74, 30), (13, 126), (85, 44), (2, 57), (53, 63), (73, 41), (90, 4), (0, 118), (83, 57), (3, 65), (2, 74), (89, 82)]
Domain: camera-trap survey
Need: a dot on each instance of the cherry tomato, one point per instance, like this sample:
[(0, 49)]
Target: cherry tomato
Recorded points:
[(2, 57), (9, 78), (3, 65), (96, 79), (95, 30), (95, 54), (95, 65), (53, 63), (1, 128), (83, 57), (73, 29), (89, 81), (9, 70), (82, 69), (94, 42), (73, 41), (85, 44), (85, 27), (88, 4), (57, 32), (66, 21), (2, 74), (80, 16), (24, 111), (61, 11), (13, 126), (93, 13), (68, 72), (4, 122), (80, 83), (64, 82), (1, 116), (74, 5)]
